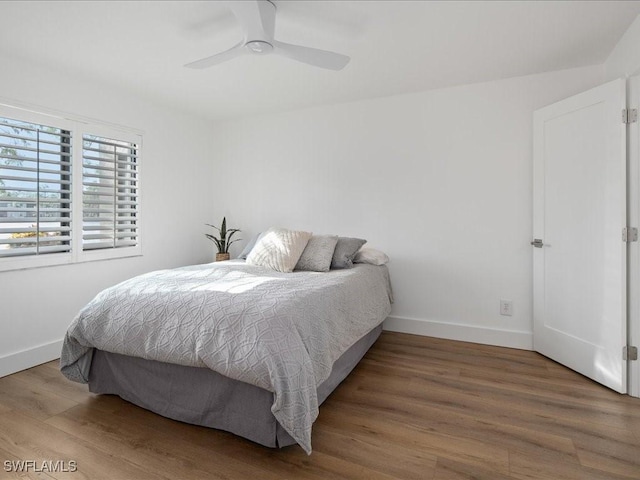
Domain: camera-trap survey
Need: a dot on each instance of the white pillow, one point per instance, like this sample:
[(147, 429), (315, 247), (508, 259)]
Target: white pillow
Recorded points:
[(370, 255), (279, 249)]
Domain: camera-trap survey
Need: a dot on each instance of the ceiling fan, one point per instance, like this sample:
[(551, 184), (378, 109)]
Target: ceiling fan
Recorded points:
[(258, 19)]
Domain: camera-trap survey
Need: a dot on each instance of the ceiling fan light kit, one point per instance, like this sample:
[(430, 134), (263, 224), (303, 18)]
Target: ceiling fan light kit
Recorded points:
[(258, 19)]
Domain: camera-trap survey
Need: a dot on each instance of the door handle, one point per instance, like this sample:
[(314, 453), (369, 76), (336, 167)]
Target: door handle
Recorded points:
[(537, 243)]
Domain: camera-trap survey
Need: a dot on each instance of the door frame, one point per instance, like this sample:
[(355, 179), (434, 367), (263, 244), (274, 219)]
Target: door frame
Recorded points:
[(633, 220)]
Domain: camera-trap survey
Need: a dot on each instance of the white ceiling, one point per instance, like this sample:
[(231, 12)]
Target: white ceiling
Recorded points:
[(395, 46)]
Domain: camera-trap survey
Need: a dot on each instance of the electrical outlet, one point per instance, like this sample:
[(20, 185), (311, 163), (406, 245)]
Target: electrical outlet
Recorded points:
[(506, 307)]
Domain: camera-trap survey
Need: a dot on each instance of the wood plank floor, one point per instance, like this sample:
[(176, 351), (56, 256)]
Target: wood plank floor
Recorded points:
[(414, 408)]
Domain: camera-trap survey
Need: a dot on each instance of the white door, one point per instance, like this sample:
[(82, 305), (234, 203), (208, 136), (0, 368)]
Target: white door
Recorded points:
[(580, 312)]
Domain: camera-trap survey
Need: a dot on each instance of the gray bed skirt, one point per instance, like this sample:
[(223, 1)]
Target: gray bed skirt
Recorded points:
[(201, 396)]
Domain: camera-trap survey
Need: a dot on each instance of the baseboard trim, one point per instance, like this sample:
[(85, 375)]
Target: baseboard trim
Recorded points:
[(31, 357), (461, 332)]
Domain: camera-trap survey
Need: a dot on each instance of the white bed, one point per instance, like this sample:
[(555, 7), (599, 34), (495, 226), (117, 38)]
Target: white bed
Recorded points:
[(282, 333)]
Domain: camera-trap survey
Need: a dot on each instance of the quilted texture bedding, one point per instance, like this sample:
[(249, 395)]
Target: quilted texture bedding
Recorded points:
[(278, 331)]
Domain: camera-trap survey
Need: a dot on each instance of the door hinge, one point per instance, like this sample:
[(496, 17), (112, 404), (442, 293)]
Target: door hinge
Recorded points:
[(629, 234), (630, 353), (629, 115)]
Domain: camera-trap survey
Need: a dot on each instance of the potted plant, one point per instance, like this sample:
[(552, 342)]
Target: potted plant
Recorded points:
[(223, 241)]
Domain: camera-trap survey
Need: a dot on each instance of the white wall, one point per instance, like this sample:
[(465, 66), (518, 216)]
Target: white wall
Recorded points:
[(37, 305), (624, 59), (440, 180)]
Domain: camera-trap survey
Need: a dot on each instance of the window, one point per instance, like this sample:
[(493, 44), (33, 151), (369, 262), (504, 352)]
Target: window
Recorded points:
[(35, 189), (69, 190), (109, 193)]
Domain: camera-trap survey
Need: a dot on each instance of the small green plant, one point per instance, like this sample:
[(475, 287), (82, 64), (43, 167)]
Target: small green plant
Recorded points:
[(223, 241)]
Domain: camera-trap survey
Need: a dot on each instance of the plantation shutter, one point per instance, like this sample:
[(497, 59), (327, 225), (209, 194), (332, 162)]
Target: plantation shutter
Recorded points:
[(109, 193), (35, 189)]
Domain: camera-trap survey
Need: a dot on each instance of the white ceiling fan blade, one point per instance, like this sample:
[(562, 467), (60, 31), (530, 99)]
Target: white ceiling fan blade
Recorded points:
[(311, 56), (230, 54), (257, 17)]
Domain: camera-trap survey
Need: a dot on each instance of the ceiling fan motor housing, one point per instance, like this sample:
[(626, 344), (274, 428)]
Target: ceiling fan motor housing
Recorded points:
[(259, 47)]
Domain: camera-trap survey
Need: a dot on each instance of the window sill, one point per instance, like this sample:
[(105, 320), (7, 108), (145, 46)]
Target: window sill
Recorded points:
[(57, 259)]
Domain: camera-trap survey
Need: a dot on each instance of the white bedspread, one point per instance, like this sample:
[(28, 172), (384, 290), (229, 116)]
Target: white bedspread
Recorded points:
[(278, 331)]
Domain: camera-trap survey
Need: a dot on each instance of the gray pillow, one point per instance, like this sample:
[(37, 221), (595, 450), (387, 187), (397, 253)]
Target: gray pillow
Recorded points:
[(318, 254), (345, 251), (247, 249)]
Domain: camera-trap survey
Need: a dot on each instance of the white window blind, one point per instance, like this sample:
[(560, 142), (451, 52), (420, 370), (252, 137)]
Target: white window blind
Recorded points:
[(109, 193), (35, 189), (69, 189)]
